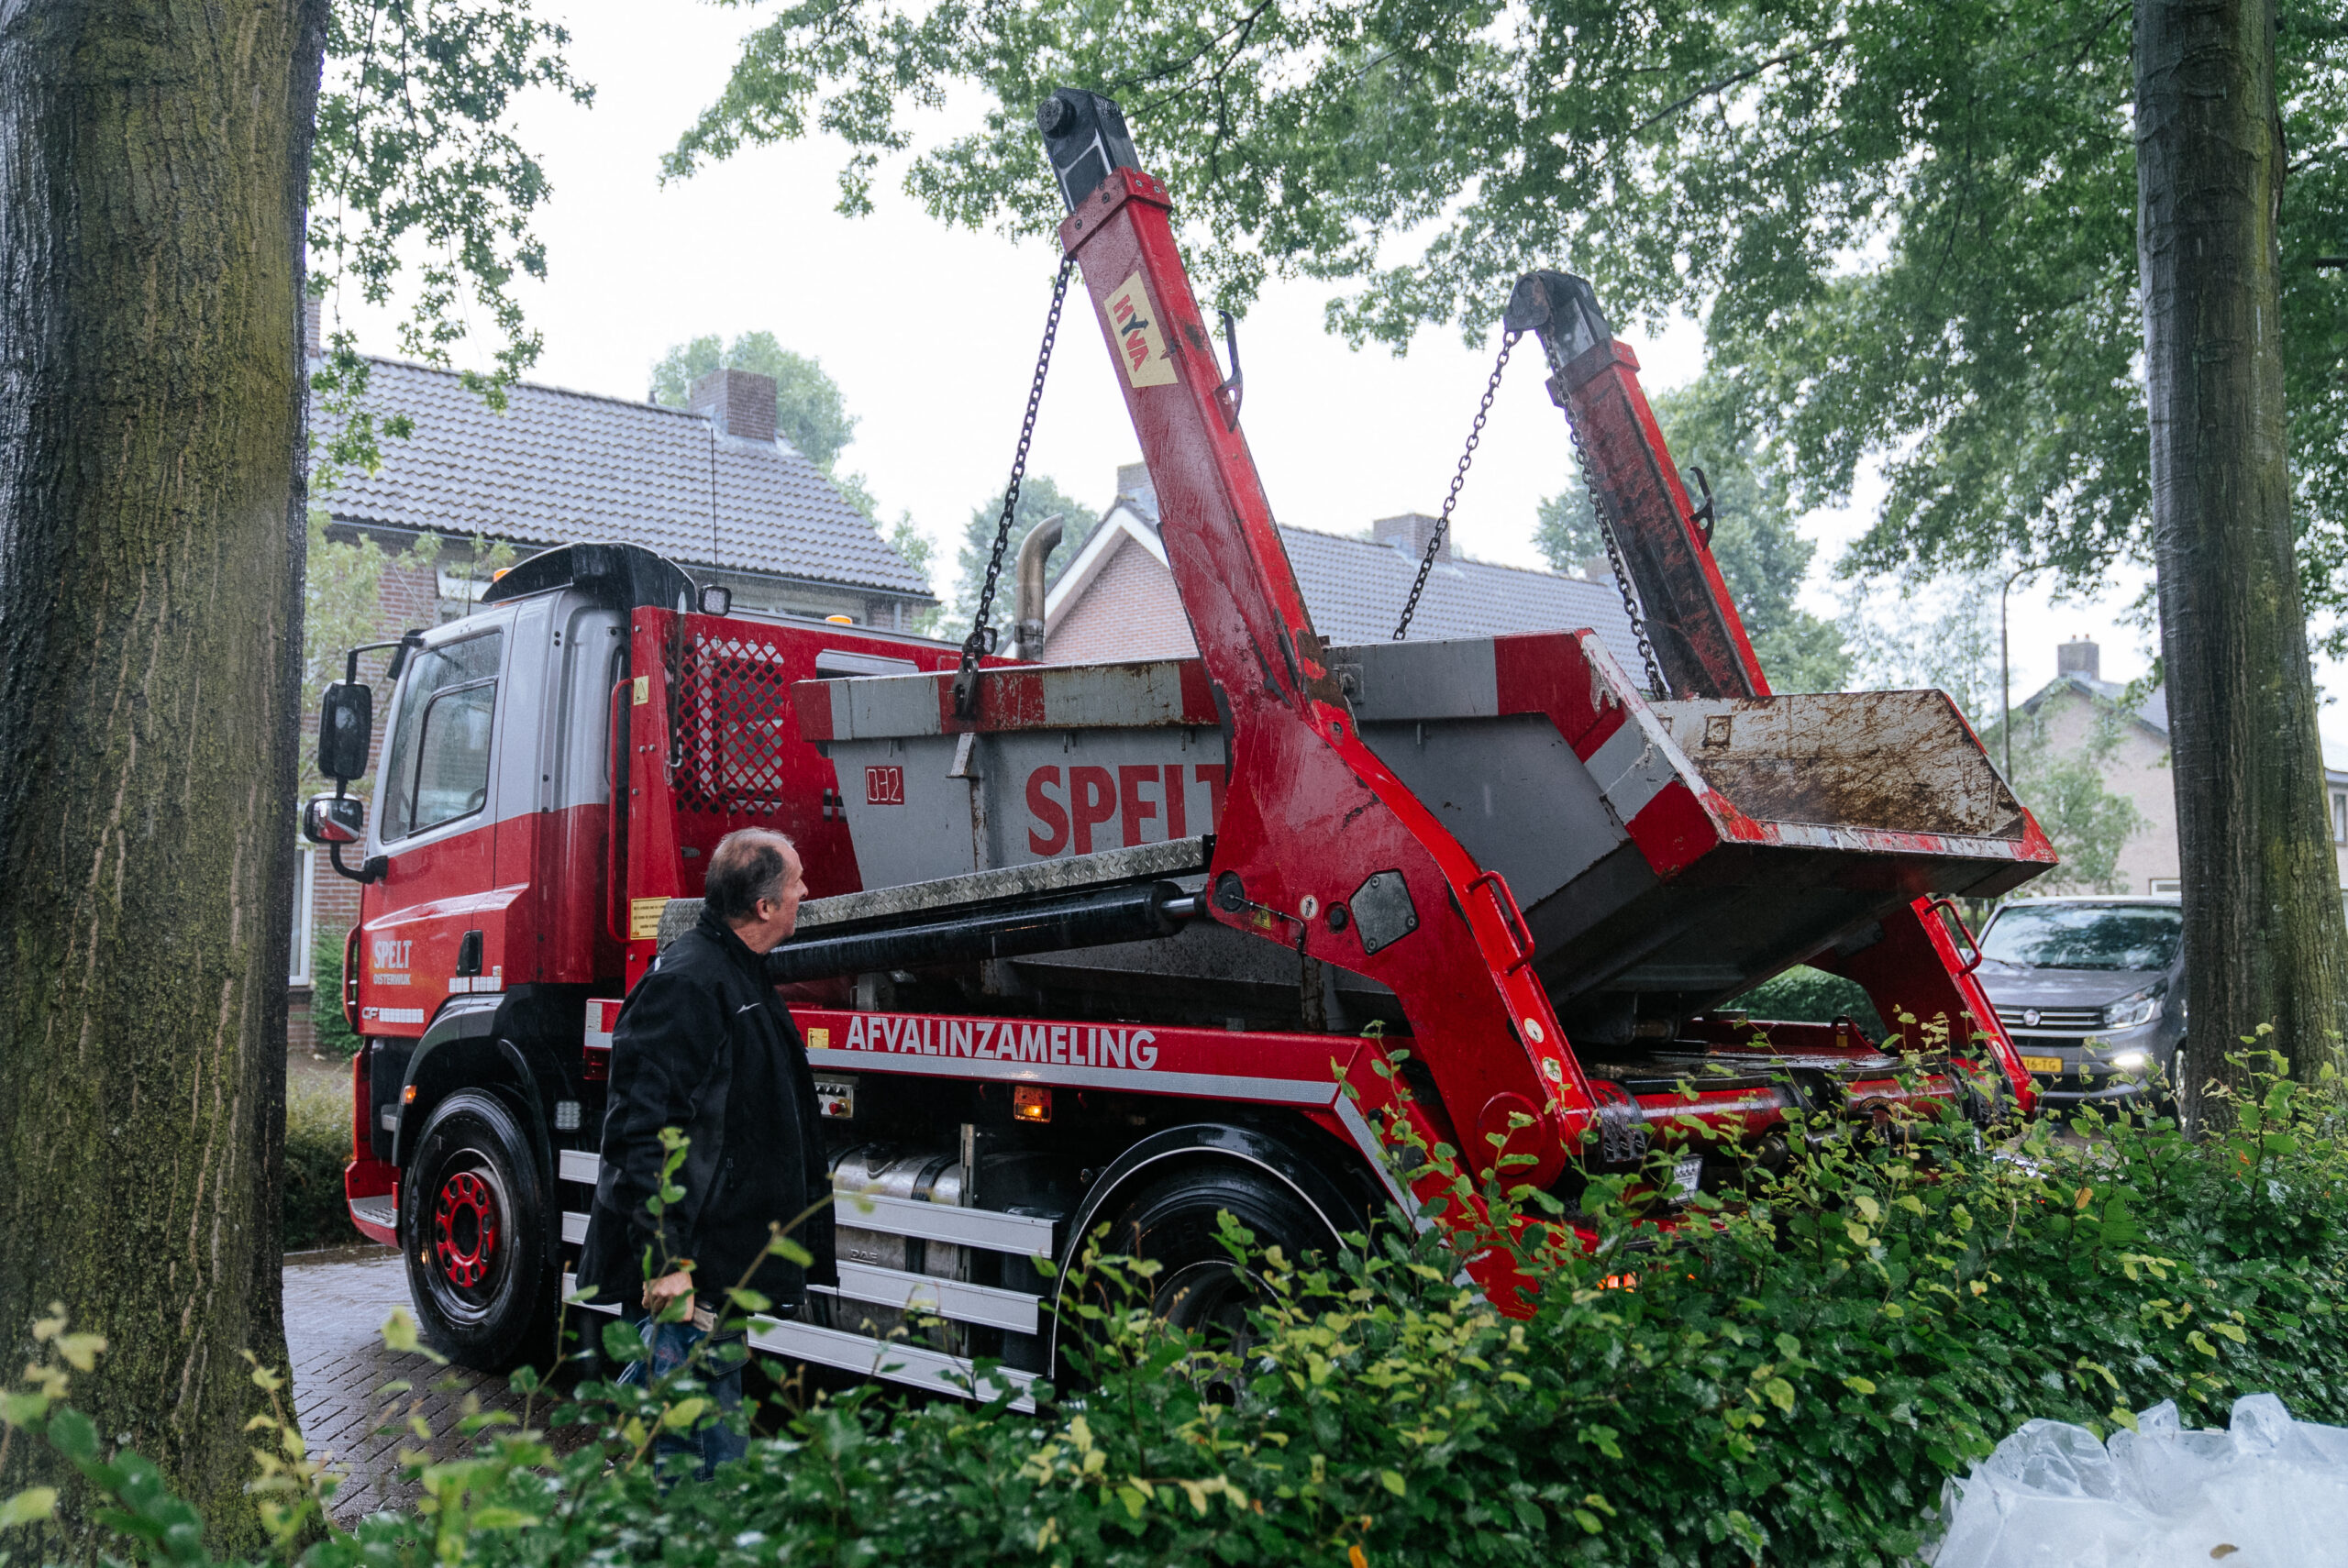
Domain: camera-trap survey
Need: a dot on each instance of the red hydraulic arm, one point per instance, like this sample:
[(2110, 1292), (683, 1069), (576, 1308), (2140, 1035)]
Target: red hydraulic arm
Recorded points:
[(1321, 848), (1699, 643), (1701, 647)]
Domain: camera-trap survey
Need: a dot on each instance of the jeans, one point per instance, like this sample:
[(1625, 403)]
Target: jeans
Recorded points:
[(714, 1442)]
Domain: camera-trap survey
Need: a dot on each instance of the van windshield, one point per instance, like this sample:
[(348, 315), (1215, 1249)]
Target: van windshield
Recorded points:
[(2085, 937), (437, 769)]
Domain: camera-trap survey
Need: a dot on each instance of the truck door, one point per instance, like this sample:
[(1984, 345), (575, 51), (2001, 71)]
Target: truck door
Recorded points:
[(431, 936), (573, 928)]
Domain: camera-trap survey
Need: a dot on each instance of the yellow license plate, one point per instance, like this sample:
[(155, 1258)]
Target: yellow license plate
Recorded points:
[(2043, 1064)]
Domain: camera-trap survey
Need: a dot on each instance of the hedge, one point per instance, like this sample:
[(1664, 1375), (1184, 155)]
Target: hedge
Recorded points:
[(331, 1031), (1788, 1380), (317, 1145)]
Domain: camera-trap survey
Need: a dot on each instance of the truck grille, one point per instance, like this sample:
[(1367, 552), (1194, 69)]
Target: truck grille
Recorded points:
[(2060, 1019)]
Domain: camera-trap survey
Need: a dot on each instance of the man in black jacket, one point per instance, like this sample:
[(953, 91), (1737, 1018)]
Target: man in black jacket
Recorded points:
[(704, 1045)]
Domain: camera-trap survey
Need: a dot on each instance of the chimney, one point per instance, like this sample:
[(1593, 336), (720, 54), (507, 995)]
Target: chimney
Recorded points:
[(1134, 484), (1410, 533), (2078, 656), (314, 329), (739, 403)]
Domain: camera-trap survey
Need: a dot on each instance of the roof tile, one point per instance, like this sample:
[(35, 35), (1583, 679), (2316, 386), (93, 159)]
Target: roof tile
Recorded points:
[(560, 466), (1355, 589)]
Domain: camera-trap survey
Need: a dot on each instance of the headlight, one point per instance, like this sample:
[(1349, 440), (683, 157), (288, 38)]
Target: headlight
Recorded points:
[(2133, 1011), (2129, 1060)]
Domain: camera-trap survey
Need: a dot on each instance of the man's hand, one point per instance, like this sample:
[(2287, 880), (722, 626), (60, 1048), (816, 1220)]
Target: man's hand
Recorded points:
[(658, 1293)]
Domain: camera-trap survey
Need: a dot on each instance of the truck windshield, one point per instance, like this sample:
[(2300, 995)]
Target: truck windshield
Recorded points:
[(2085, 937), (437, 769)]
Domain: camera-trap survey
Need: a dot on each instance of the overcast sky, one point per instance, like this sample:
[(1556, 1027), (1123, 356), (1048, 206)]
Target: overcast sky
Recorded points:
[(931, 333)]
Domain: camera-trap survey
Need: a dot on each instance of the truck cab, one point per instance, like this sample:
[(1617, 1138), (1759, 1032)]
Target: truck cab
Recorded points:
[(496, 910)]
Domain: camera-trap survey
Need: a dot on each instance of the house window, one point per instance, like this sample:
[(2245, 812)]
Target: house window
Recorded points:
[(2164, 885), (2339, 816), (305, 890)]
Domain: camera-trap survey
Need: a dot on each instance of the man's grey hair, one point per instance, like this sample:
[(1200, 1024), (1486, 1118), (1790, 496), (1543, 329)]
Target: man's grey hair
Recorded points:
[(747, 866)]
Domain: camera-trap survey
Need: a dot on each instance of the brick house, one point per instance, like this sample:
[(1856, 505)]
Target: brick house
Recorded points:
[(1116, 598), (711, 487), (2078, 699)]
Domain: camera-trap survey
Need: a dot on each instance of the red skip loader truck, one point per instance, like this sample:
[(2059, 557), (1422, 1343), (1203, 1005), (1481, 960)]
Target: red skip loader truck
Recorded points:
[(1095, 944)]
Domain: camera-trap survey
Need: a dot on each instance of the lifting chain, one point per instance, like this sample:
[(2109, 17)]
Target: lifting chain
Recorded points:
[(1443, 523), (980, 642), (1630, 610)]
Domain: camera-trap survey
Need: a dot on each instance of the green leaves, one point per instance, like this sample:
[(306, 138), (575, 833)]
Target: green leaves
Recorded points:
[(73, 1434), (1909, 231), (399, 1330), (623, 1344), (415, 164), (1761, 1391), (30, 1506)]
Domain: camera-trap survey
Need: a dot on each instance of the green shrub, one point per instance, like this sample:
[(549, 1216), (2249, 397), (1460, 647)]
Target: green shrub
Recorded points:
[(317, 1145), (1804, 995), (327, 1026), (1787, 1381)]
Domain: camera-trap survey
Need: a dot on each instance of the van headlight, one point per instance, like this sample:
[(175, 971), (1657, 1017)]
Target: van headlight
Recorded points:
[(2129, 1060), (2132, 1011)]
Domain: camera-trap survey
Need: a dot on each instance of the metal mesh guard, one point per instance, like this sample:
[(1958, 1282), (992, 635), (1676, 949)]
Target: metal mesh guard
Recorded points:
[(734, 719)]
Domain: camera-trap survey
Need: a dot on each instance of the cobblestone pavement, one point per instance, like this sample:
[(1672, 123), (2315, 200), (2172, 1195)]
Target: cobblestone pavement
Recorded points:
[(336, 1303)]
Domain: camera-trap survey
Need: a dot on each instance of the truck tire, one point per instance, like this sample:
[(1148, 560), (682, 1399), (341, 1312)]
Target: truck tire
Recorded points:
[(480, 1262), (1172, 1221)]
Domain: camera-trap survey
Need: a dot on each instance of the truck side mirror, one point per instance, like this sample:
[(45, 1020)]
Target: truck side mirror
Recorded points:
[(346, 722), (334, 818)]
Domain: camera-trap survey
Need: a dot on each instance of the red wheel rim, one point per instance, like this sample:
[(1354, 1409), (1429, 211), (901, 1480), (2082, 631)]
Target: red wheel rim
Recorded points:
[(464, 1229)]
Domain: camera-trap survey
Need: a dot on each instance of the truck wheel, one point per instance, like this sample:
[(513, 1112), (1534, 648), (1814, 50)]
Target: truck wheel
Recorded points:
[(1172, 1221), (479, 1261)]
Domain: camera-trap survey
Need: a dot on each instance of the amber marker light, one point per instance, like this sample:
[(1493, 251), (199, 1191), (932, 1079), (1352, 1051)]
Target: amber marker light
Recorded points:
[(1031, 1102)]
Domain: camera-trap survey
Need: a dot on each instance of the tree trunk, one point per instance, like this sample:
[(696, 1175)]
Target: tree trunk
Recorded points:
[(2264, 943), (154, 164)]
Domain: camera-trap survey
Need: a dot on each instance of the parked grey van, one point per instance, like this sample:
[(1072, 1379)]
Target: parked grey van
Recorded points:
[(2092, 990)]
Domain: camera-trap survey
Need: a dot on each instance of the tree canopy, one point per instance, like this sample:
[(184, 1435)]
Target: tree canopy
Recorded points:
[(420, 192), (809, 410), (1909, 230)]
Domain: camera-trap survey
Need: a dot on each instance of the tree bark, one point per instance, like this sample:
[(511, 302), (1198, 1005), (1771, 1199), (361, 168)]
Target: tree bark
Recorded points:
[(2264, 943), (154, 156)]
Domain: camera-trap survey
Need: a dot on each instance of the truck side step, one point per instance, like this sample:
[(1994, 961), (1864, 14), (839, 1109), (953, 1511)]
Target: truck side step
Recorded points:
[(987, 1227), (927, 1294), (1026, 1235), (932, 1371), (917, 1366)]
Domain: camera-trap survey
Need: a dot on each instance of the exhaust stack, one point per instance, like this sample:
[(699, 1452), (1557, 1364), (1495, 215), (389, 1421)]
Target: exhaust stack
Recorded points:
[(1028, 639)]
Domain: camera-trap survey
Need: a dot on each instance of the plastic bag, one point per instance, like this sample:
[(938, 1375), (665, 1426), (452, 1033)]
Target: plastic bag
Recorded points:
[(2269, 1492)]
